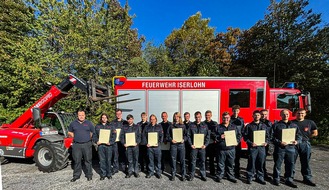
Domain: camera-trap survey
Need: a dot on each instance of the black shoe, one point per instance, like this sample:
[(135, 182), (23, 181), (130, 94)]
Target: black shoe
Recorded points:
[(109, 177), (248, 181), (267, 177), (89, 178), (128, 176), (159, 176), (309, 182), (136, 175), (276, 183), (261, 181), (148, 176), (102, 178), (233, 180), (237, 176), (191, 178), (203, 178), (183, 178), (291, 184), (74, 179), (172, 178), (217, 179)]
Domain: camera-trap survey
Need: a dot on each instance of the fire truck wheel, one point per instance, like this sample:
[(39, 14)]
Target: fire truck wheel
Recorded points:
[(50, 156)]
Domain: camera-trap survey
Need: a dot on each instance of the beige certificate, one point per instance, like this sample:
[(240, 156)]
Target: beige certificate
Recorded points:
[(230, 138), (130, 139), (177, 134), (259, 137), (198, 140), (288, 135), (118, 135), (104, 136), (152, 138)]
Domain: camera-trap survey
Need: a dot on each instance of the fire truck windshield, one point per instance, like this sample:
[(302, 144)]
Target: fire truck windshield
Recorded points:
[(290, 102)]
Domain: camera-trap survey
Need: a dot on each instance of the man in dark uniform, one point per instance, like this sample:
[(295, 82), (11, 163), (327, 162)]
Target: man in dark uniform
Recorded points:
[(153, 151), (269, 146), (211, 148), (284, 151), (239, 122), (256, 157), (81, 130), (187, 123), (119, 153), (142, 146), (165, 154), (105, 149), (308, 130), (198, 127), (132, 151), (225, 154)]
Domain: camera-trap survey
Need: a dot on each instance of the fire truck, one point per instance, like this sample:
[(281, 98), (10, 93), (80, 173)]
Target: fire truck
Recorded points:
[(47, 141), (218, 94)]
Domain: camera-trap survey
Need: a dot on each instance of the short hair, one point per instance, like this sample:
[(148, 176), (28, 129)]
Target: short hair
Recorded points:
[(164, 113), (225, 113), (187, 113), (118, 110), (152, 115), (81, 110), (143, 113), (197, 113), (300, 109), (100, 119), (208, 111), (129, 116), (180, 121), (264, 110), (256, 111), (284, 111), (235, 107)]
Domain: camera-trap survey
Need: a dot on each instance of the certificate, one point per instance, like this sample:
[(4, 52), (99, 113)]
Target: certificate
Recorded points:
[(288, 135), (198, 140), (230, 138), (259, 137), (118, 135), (165, 146), (152, 139), (177, 134), (130, 139), (104, 136)]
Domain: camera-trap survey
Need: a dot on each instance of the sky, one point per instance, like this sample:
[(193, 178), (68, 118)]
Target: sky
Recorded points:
[(156, 19)]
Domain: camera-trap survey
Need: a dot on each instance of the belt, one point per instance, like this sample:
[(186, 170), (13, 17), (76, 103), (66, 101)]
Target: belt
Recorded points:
[(81, 142)]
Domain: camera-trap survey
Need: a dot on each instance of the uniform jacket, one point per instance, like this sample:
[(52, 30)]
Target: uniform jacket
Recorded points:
[(201, 128), (221, 144), (107, 126), (212, 126), (130, 129), (153, 128), (277, 132), (248, 134), (173, 126)]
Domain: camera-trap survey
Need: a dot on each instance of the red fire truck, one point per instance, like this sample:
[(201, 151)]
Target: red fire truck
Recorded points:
[(218, 94)]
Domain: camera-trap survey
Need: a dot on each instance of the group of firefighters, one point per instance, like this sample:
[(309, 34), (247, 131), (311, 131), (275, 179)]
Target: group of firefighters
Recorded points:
[(148, 157)]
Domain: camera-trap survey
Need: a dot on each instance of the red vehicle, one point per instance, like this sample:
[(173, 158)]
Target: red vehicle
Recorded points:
[(47, 142), (218, 94)]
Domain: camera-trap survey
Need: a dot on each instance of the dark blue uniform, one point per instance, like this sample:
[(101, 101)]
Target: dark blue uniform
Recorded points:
[(154, 152), (188, 147), (143, 160), (284, 153), (269, 146), (132, 152), (239, 122), (306, 128), (119, 153), (211, 148), (82, 147), (104, 150), (200, 128), (179, 148), (225, 154), (165, 154), (257, 154)]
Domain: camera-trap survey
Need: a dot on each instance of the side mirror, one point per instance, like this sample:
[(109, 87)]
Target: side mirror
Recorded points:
[(36, 112)]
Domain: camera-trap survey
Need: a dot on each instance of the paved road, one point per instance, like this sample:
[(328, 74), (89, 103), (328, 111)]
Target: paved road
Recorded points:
[(22, 174)]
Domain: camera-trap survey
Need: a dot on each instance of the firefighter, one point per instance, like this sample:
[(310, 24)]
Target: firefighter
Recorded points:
[(132, 151), (308, 130), (239, 122), (105, 149), (256, 156), (142, 146), (284, 151), (177, 147), (225, 154), (187, 123), (269, 146), (81, 130), (211, 148), (119, 155), (153, 152), (165, 154), (198, 127)]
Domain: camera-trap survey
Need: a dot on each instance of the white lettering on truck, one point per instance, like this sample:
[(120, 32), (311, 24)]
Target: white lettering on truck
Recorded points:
[(173, 85)]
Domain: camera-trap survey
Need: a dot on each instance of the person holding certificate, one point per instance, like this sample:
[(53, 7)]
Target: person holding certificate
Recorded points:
[(104, 136), (153, 137), (177, 135), (211, 148), (198, 137), (284, 150), (130, 137), (256, 131), (225, 150)]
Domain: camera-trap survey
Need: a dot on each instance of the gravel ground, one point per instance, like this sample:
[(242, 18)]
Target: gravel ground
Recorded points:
[(21, 174)]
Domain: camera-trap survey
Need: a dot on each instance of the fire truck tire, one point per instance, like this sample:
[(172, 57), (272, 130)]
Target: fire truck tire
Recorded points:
[(50, 156)]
